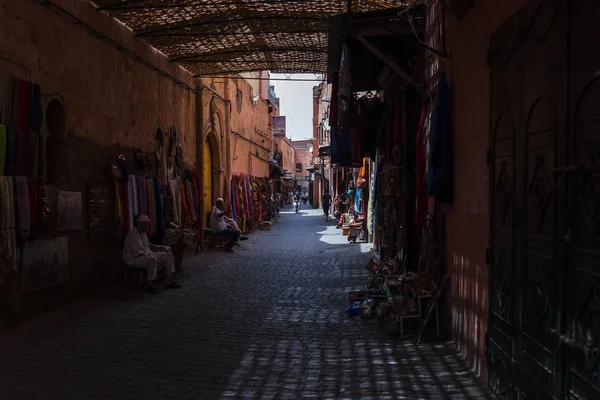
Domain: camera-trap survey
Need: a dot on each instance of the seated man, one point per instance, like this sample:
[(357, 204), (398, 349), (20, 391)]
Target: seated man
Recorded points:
[(231, 223), (218, 224), (138, 252)]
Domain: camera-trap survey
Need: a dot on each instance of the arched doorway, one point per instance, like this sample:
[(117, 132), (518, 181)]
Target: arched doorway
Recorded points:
[(208, 179)]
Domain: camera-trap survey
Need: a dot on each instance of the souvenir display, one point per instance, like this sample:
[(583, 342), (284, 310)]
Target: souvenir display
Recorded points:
[(98, 214), (251, 200)]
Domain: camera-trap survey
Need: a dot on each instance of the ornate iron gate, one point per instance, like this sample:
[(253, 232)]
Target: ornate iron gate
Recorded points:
[(544, 330)]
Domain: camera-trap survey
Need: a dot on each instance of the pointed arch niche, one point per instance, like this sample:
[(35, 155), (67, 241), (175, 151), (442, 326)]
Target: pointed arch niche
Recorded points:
[(212, 169)]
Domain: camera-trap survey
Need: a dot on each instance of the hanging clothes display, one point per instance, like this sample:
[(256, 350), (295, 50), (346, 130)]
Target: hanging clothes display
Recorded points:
[(421, 198), (440, 182), (8, 234), (2, 148), (371, 210), (24, 211), (161, 156), (139, 196), (251, 199), (357, 133)]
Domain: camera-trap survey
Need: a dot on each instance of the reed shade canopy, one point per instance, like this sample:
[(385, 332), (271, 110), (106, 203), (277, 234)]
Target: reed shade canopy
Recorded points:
[(211, 37)]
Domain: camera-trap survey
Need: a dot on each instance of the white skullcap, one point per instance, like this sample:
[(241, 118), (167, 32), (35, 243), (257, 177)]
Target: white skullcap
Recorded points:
[(143, 218), (220, 200)]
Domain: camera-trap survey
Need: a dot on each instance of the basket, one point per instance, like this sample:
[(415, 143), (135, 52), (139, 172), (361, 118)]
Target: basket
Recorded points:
[(345, 230)]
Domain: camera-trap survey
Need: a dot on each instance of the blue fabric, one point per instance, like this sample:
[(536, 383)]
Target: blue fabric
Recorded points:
[(233, 201), (335, 146), (357, 200), (440, 176), (346, 149), (160, 223)]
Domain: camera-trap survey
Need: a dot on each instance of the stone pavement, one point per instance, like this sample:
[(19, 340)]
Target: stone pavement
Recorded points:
[(265, 322)]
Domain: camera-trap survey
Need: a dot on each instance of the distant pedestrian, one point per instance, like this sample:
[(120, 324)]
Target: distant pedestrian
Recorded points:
[(326, 204)]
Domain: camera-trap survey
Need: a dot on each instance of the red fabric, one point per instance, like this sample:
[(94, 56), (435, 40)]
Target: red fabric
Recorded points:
[(421, 200)]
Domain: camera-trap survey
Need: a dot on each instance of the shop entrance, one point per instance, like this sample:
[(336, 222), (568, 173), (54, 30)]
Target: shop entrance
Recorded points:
[(544, 257), (208, 180)]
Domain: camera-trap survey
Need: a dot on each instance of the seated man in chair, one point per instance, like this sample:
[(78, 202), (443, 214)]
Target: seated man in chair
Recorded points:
[(219, 224), (138, 252)]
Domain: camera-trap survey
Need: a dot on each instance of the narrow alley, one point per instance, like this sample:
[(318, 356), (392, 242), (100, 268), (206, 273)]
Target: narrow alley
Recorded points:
[(264, 322)]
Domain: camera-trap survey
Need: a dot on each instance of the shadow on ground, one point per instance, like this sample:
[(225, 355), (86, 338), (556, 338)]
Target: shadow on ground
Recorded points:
[(264, 322)]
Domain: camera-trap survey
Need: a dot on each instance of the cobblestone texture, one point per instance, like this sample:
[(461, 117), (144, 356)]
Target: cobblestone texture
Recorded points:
[(265, 322)]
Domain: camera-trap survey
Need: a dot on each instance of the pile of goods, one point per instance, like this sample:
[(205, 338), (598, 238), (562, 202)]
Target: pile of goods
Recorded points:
[(389, 294)]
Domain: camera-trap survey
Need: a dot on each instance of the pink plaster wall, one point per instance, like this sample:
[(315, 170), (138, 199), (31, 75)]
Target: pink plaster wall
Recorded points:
[(303, 156), (249, 125), (284, 145), (467, 220), (114, 104)]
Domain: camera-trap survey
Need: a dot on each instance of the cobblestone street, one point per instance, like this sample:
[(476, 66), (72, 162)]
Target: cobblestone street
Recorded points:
[(264, 322)]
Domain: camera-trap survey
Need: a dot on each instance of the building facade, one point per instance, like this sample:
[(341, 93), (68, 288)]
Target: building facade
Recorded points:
[(303, 155), (106, 93)]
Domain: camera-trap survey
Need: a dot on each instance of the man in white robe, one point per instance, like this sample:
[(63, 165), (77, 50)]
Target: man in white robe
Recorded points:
[(138, 252)]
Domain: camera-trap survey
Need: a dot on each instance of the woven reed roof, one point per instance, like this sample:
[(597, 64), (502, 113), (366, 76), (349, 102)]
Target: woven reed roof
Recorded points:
[(210, 37)]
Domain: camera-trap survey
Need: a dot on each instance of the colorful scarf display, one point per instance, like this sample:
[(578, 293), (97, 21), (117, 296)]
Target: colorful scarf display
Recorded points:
[(250, 198), (139, 196), (8, 222)]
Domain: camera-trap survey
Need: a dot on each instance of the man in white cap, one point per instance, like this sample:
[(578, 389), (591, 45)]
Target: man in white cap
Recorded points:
[(138, 252), (219, 222)]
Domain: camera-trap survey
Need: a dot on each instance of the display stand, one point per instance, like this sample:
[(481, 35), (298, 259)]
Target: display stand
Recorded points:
[(433, 304), (394, 283)]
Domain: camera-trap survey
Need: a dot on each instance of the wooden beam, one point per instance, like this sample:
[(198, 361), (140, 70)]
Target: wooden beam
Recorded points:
[(390, 63)]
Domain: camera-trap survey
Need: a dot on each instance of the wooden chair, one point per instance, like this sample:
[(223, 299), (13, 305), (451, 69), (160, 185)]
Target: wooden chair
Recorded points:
[(213, 241)]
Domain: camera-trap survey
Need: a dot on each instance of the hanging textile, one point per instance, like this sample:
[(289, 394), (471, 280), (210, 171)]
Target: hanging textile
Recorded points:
[(420, 175), (426, 139), (8, 237), (372, 125), (5, 97), (196, 189), (334, 109), (33, 185), (158, 215), (346, 148), (45, 209), (118, 210), (161, 156), (357, 200), (22, 197), (176, 196), (233, 202), (371, 205), (440, 182), (144, 196), (335, 145), (2, 148)]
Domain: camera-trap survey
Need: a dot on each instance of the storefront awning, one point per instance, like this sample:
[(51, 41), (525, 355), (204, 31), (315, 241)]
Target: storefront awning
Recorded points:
[(209, 37)]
